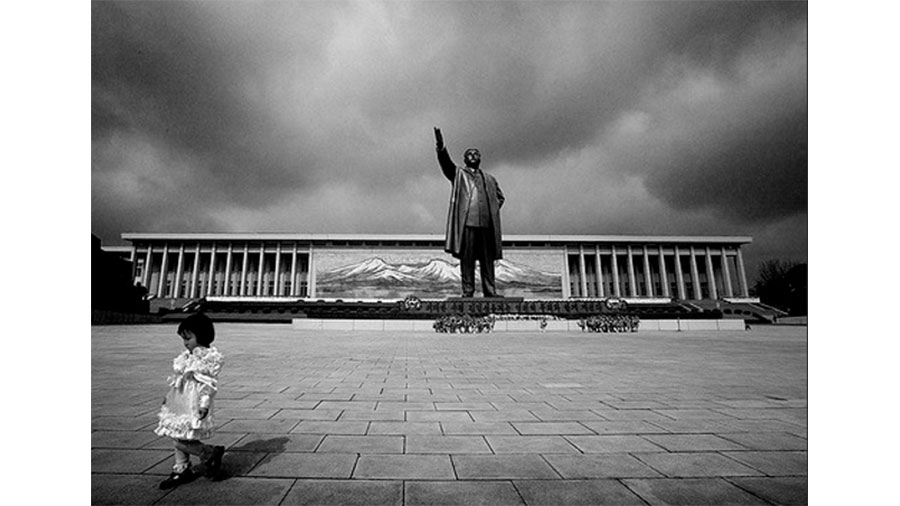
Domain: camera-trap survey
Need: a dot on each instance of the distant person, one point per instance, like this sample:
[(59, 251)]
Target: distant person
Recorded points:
[(186, 415), (140, 291), (473, 221)]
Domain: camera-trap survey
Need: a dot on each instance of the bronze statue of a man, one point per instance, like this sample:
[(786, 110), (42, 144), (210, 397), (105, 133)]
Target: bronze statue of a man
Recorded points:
[(473, 221)]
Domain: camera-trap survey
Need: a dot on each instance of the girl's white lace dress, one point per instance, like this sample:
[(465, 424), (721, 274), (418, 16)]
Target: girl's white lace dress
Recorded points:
[(191, 387)]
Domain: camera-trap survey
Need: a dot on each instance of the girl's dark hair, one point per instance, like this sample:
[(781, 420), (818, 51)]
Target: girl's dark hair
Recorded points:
[(201, 326)]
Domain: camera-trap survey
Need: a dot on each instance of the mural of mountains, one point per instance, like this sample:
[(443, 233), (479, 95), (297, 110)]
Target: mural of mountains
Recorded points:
[(374, 277)]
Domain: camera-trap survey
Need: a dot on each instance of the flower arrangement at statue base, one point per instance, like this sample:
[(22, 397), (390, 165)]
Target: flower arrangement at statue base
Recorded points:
[(610, 323), (467, 324)]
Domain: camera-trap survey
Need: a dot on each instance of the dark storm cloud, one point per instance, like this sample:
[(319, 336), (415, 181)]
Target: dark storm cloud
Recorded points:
[(645, 117), (173, 72), (730, 137)]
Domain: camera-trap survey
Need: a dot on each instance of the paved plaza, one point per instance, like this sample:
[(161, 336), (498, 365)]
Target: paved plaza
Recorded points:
[(415, 418)]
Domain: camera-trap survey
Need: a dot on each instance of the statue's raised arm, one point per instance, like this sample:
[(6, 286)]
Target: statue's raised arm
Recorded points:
[(438, 139), (444, 160)]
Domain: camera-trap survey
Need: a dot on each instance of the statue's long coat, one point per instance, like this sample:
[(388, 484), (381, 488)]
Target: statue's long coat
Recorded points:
[(463, 179)]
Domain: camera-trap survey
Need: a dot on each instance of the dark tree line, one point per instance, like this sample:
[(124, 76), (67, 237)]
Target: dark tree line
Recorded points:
[(783, 284), (111, 286)]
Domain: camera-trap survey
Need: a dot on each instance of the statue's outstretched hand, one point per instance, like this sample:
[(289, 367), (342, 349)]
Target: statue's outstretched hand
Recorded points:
[(438, 138)]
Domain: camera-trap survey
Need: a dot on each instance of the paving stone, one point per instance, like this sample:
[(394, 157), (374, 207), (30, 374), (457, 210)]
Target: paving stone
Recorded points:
[(433, 397), (759, 426), (378, 397), (693, 465), (323, 395), (580, 492), (520, 396), (126, 461), (348, 405), (774, 463), (613, 444), (121, 411), (306, 465), (344, 493), (243, 403), (781, 491), (121, 439), (690, 492), (753, 413), (492, 397), (461, 493), (246, 413), (273, 443), (614, 465), (477, 428), (275, 426), (117, 489), (630, 414), (308, 414), (693, 426), (550, 428), (692, 442), (505, 415), (504, 467), (446, 444), (528, 406), (530, 444), (464, 406), (623, 427), (438, 416), (361, 444), (284, 404), (317, 427), (690, 403), (112, 423), (405, 428), (555, 415), (373, 416), (404, 406), (693, 414), (767, 440), (238, 491), (404, 467), (639, 404)]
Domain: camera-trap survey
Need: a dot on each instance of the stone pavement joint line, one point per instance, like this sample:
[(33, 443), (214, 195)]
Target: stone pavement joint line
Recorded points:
[(418, 418)]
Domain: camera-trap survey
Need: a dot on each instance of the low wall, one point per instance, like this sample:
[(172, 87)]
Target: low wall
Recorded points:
[(509, 325)]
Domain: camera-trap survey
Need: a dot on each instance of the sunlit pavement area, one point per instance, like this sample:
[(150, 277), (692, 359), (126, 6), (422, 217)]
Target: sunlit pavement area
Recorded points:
[(338, 417)]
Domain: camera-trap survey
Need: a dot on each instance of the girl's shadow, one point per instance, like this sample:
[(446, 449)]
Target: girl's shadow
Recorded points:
[(239, 460)]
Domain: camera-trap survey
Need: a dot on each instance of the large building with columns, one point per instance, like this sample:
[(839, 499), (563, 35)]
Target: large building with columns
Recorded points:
[(389, 266)]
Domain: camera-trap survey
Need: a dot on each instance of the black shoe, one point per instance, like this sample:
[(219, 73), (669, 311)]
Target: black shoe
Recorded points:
[(214, 464), (176, 479)]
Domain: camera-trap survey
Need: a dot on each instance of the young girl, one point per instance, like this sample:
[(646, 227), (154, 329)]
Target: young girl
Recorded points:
[(186, 414)]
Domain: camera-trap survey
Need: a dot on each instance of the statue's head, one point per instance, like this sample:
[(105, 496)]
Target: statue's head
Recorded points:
[(472, 158)]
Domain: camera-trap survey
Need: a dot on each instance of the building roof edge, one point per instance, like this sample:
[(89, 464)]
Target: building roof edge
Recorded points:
[(507, 238)]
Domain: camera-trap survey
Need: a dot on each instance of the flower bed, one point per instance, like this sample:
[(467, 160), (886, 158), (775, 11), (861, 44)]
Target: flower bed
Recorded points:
[(453, 324), (610, 323)]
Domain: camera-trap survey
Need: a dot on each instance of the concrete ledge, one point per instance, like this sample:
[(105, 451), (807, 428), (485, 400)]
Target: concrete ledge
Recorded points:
[(509, 325)]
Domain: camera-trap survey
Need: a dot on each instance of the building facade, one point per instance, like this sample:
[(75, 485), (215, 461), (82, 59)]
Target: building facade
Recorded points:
[(353, 266)]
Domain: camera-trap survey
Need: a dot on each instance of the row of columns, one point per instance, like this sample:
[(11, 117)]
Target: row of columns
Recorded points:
[(194, 290), (664, 283)]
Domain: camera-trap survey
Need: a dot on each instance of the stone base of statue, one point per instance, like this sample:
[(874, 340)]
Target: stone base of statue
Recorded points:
[(414, 308)]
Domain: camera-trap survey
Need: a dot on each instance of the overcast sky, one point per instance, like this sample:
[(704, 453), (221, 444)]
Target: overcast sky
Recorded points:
[(600, 118)]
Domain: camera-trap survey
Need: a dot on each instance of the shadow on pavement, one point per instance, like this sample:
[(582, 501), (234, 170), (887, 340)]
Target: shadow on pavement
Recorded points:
[(239, 460)]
